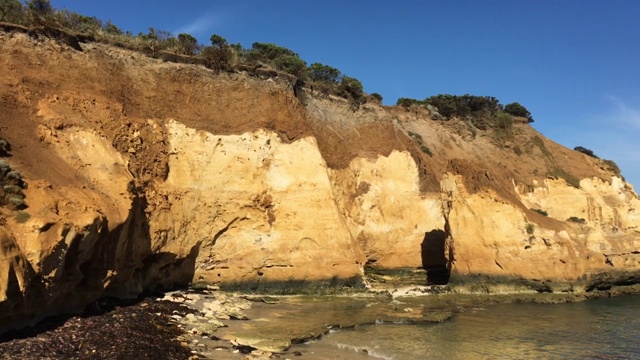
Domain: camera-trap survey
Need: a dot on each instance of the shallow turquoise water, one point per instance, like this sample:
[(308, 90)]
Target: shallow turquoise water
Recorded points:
[(598, 329)]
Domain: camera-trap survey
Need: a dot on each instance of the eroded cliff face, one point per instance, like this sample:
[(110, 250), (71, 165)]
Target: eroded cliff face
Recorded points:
[(499, 240), (145, 175), (386, 213), (256, 207)]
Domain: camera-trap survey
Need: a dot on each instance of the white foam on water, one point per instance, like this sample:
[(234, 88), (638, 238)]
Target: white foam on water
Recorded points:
[(363, 349)]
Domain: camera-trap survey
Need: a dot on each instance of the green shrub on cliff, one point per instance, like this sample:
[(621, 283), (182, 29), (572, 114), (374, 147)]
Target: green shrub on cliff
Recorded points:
[(5, 147), (216, 58), (530, 228), (219, 56), (39, 12), (4, 167), (11, 11), (11, 185), (323, 73), (218, 41), (464, 106), (407, 102), (291, 65), (267, 52), (503, 121), (585, 151), (577, 220), (541, 212), (278, 57), (187, 44), (376, 97), (415, 136), (516, 109), (79, 23), (329, 80), (351, 88), (155, 41), (562, 174), (613, 167), (502, 124), (483, 112), (418, 138), (16, 201), (22, 217)]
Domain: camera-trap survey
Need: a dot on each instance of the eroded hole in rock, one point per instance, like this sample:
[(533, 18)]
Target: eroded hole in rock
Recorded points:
[(370, 263), (434, 260)]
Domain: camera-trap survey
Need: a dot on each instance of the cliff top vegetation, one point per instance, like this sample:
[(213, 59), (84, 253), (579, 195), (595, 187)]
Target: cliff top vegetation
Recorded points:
[(262, 59)]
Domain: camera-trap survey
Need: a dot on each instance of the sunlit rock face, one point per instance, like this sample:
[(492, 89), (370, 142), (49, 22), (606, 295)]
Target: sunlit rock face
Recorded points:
[(385, 210), (258, 209), (501, 240)]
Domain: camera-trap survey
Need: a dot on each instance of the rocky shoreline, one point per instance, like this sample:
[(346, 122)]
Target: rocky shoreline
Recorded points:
[(205, 324)]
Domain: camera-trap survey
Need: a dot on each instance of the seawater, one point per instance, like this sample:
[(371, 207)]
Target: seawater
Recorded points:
[(597, 329)]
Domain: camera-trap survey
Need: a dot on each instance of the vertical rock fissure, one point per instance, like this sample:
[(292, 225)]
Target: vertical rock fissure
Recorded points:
[(437, 248)]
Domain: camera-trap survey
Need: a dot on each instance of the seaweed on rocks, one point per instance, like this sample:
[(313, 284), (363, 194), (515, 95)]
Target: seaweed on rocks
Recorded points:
[(140, 331)]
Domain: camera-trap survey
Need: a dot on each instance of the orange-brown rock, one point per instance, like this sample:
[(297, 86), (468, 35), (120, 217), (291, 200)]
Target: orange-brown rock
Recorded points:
[(146, 175)]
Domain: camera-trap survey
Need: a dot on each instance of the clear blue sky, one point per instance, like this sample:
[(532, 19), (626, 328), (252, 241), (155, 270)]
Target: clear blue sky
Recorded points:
[(575, 64)]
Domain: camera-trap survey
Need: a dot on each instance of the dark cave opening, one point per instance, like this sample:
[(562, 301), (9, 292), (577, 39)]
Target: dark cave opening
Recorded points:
[(434, 261)]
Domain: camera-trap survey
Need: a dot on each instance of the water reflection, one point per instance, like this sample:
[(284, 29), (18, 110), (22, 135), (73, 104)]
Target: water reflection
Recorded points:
[(599, 329)]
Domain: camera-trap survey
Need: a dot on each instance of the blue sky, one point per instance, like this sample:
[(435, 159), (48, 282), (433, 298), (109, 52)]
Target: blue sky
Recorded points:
[(574, 64)]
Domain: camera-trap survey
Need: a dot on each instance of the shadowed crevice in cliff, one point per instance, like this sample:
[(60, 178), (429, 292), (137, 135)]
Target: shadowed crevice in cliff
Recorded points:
[(607, 280), (118, 253), (434, 261), (23, 288), (138, 268), (162, 271)]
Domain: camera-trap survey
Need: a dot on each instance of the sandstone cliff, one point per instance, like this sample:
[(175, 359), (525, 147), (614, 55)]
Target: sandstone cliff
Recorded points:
[(146, 175)]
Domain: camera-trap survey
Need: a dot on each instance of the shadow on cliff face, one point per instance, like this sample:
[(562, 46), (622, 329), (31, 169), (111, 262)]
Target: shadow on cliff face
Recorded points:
[(434, 260), (97, 263), (127, 251)]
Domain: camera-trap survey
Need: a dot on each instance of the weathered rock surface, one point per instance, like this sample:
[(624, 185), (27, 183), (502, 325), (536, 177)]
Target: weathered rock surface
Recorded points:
[(145, 175)]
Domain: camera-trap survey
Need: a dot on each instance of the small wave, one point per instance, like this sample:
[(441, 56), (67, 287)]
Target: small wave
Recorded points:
[(395, 322), (475, 309), (370, 352)]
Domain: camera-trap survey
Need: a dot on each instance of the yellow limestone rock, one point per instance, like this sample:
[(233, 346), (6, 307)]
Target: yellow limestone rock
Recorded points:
[(494, 237), (612, 205), (385, 212), (255, 207)]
